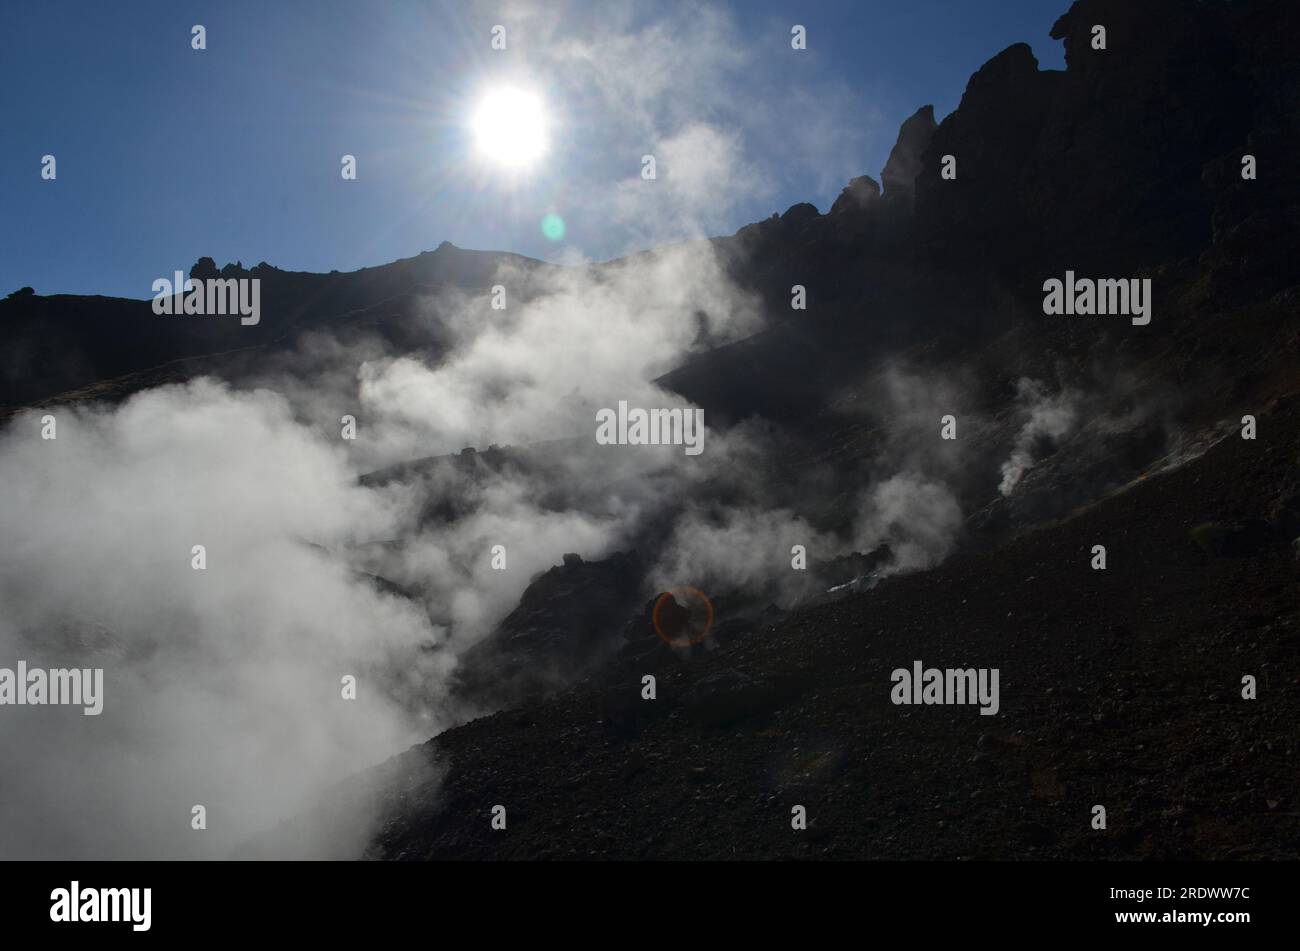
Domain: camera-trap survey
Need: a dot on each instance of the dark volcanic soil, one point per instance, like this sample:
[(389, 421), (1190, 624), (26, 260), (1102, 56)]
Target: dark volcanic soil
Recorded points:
[(1120, 687)]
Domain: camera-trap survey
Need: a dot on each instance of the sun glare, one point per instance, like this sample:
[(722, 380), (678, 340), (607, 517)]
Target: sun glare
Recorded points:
[(509, 127)]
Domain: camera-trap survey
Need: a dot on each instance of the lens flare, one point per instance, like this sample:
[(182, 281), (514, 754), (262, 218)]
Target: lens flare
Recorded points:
[(693, 619), (553, 227)]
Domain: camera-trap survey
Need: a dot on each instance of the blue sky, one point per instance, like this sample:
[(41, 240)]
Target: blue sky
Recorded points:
[(166, 153)]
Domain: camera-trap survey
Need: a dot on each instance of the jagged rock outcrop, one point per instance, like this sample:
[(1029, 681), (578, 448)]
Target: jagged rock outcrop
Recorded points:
[(979, 214), (905, 159)]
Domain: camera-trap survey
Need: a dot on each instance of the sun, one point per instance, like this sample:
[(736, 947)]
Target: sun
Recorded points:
[(509, 127)]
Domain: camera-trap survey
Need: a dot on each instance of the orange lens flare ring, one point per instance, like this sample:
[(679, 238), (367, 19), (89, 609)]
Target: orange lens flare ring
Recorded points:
[(691, 594)]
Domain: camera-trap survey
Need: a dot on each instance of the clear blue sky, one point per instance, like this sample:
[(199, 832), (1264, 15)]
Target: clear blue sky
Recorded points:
[(166, 154)]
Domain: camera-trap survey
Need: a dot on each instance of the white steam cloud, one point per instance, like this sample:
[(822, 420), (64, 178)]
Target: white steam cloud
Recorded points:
[(919, 519), (1050, 417), (222, 686)]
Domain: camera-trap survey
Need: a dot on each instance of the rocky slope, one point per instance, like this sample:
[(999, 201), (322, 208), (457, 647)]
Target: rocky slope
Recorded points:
[(1120, 688)]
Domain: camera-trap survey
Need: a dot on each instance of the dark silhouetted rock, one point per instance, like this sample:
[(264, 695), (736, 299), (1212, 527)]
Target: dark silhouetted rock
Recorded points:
[(904, 163), (673, 619), (859, 195), (992, 136), (567, 621), (800, 213)]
